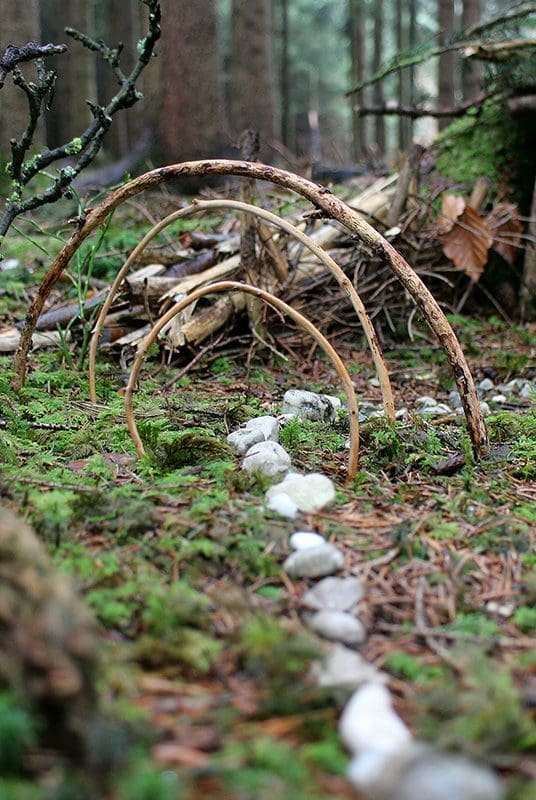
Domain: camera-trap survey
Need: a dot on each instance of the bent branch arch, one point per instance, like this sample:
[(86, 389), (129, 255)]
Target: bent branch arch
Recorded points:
[(272, 300), (332, 207), (208, 205)]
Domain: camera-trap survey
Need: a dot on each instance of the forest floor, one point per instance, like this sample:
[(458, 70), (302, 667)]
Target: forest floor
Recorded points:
[(205, 658)]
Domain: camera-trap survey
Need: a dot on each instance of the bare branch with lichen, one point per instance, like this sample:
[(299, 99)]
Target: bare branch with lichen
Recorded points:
[(82, 149), (31, 51)]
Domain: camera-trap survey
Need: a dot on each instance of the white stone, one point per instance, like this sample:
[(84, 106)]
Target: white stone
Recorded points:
[(310, 492), (268, 459), (343, 667), (301, 540), (486, 411), (504, 610), (282, 504), (513, 386), (335, 594), (367, 411), (426, 401), (368, 769), (417, 772), (444, 777), (486, 385), (436, 410), (314, 562), (455, 399), (498, 398), (312, 406), (9, 263), (260, 429), (369, 722), (338, 626), (527, 391)]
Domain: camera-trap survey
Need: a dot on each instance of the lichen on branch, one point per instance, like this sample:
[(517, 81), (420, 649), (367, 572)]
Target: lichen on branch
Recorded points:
[(83, 148)]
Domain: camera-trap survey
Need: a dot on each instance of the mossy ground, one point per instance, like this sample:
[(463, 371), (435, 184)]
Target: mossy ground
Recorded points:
[(205, 659)]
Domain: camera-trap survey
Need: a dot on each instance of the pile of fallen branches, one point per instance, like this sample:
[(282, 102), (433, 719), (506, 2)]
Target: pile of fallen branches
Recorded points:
[(448, 249)]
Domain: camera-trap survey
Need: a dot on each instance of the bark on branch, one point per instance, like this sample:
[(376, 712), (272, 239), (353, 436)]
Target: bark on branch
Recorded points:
[(29, 52)]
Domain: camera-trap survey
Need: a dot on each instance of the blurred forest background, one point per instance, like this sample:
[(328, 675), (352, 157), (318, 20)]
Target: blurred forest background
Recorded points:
[(280, 66)]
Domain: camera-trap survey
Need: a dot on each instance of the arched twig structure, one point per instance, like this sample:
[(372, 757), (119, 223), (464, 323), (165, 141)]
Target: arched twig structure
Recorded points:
[(210, 205), (272, 300), (332, 207)]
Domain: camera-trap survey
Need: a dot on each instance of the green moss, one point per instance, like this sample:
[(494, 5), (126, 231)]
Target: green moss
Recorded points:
[(489, 143), (525, 619)]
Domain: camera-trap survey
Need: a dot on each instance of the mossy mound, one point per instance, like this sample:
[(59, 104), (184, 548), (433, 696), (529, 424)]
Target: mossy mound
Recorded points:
[(491, 142)]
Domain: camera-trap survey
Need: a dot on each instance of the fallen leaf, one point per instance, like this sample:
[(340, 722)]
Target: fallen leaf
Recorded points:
[(468, 242), (176, 754), (506, 228), (452, 207)]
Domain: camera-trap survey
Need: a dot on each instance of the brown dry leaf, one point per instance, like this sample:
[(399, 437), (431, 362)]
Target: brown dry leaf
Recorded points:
[(506, 228), (468, 243), (452, 207), (180, 755)]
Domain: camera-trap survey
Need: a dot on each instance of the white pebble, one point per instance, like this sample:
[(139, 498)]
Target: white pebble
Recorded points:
[(260, 429), (335, 594), (310, 492), (339, 626), (486, 385), (444, 777), (527, 391), (498, 398), (426, 400), (369, 722), (301, 540), (513, 386), (312, 406), (268, 459), (436, 410), (345, 668), (282, 504), (314, 562)]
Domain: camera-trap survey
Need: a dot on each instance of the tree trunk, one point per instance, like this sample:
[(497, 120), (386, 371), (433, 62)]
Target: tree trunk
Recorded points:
[(251, 89), (190, 120), (77, 78), (471, 69), (357, 51), (379, 121), (284, 77), (412, 35), (20, 24), (447, 61), (404, 86), (119, 22)]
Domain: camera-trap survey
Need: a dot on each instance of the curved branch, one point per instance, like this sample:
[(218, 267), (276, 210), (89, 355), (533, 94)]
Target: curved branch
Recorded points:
[(272, 300), (319, 252), (323, 199)]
